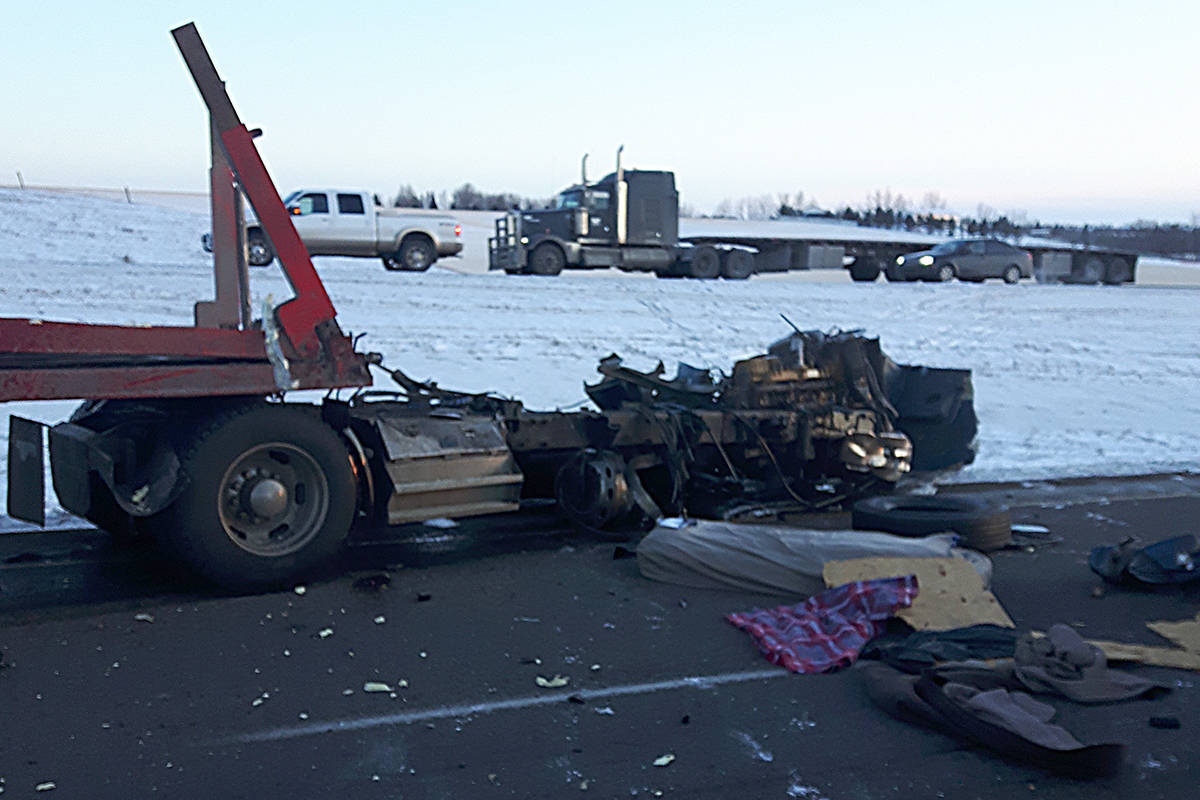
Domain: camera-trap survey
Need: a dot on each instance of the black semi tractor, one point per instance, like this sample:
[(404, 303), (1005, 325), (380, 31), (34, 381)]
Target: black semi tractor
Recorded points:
[(629, 220)]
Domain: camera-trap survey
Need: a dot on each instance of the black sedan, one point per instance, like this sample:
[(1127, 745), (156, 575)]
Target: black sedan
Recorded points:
[(966, 259)]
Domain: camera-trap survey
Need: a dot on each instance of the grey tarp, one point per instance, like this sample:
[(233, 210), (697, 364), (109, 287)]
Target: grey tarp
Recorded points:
[(774, 559)]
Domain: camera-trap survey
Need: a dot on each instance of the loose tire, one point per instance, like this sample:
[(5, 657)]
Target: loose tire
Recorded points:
[(270, 495), (705, 263), (258, 252), (1012, 274), (945, 273), (547, 259), (979, 524), (737, 265)]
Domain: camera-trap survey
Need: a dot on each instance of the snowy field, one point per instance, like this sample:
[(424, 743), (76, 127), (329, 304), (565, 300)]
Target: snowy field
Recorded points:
[(1069, 380)]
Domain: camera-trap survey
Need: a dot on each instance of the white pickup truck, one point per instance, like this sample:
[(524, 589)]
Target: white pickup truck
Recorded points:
[(336, 222)]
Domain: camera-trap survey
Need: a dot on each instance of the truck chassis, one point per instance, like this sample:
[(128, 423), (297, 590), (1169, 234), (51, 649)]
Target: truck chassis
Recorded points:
[(185, 437)]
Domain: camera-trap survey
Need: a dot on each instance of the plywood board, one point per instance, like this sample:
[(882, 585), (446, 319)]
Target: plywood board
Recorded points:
[(951, 592), (1185, 633)]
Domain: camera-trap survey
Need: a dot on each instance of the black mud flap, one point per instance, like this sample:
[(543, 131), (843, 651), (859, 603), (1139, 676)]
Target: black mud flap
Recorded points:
[(26, 471)]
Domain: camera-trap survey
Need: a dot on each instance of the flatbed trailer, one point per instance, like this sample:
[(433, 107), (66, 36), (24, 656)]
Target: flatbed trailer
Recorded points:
[(629, 220)]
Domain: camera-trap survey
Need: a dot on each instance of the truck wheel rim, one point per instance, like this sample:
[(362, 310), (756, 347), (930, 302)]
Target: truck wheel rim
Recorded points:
[(273, 500), (416, 258)]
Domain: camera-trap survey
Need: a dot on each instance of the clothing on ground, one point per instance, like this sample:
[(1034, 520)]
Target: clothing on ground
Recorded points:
[(827, 631)]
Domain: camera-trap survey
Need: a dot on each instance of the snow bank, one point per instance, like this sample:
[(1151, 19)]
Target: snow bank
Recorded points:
[(1069, 380)]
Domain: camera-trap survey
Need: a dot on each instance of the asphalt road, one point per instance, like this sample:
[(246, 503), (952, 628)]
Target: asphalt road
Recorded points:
[(168, 689)]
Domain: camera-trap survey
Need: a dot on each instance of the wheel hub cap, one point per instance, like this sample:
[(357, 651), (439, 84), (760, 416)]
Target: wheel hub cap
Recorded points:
[(267, 498)]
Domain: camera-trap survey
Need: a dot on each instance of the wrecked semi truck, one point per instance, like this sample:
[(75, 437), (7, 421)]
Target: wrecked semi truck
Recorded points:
[(185, 436)]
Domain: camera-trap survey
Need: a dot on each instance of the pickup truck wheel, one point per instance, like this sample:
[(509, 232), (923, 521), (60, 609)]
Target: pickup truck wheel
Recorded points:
[(547, 259), (258, 252), (1012, 274), (417, 254), (270, 496), (706, 263)]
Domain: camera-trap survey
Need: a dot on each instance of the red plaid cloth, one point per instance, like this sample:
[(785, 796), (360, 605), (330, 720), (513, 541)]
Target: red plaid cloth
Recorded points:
[(827, 631)]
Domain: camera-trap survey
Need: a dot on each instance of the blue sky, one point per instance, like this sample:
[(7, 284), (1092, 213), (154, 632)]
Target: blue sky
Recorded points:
[(1071, 110)]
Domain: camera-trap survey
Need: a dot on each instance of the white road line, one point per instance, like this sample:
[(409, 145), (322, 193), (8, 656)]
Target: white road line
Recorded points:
[(529, 701)]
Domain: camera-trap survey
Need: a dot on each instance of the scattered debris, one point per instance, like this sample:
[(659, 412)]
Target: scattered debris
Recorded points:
[(144, 617), (300, 590), (1021, 527), (576, 699), (441, 523), (755, 748), (605, 711), (664, 760), (685, 719), (595, 667), (1170, 561), (376, 686), (424, 597), (45, 787), (380, 620), (556, 682), (768, 559), (1185, 633), (952, 593), (1165, 723), (373, 583), (325, 633)]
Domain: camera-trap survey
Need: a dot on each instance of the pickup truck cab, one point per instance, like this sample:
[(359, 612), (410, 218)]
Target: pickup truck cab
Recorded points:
[(338, 222)]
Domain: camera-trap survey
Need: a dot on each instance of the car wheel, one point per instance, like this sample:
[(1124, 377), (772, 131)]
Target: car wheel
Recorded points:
[(258, 252), (945, 273), (979, 524), (417, 254), (270, 495), (1012, 273), (547, 259)]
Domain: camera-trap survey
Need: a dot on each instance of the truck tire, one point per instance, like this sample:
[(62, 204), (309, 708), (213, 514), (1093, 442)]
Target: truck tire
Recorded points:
[(1093, 271), (547, 259), (270, 495), (737, 265), (1012, 274), (1117, 272), (864, 270), (979, 524), (705, 263), (417, 253), (258, 252)]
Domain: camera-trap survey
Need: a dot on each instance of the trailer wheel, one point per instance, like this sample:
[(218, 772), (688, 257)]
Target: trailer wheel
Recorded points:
[(1118, 271), (737, 265), (706, 263), (1093, 271), (270, 496), (864, 270), (1012, 274), (547, 259), (258, 252)]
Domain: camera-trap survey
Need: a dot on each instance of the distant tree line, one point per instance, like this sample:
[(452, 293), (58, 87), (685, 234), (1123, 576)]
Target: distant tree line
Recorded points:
[(1143, 236)]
